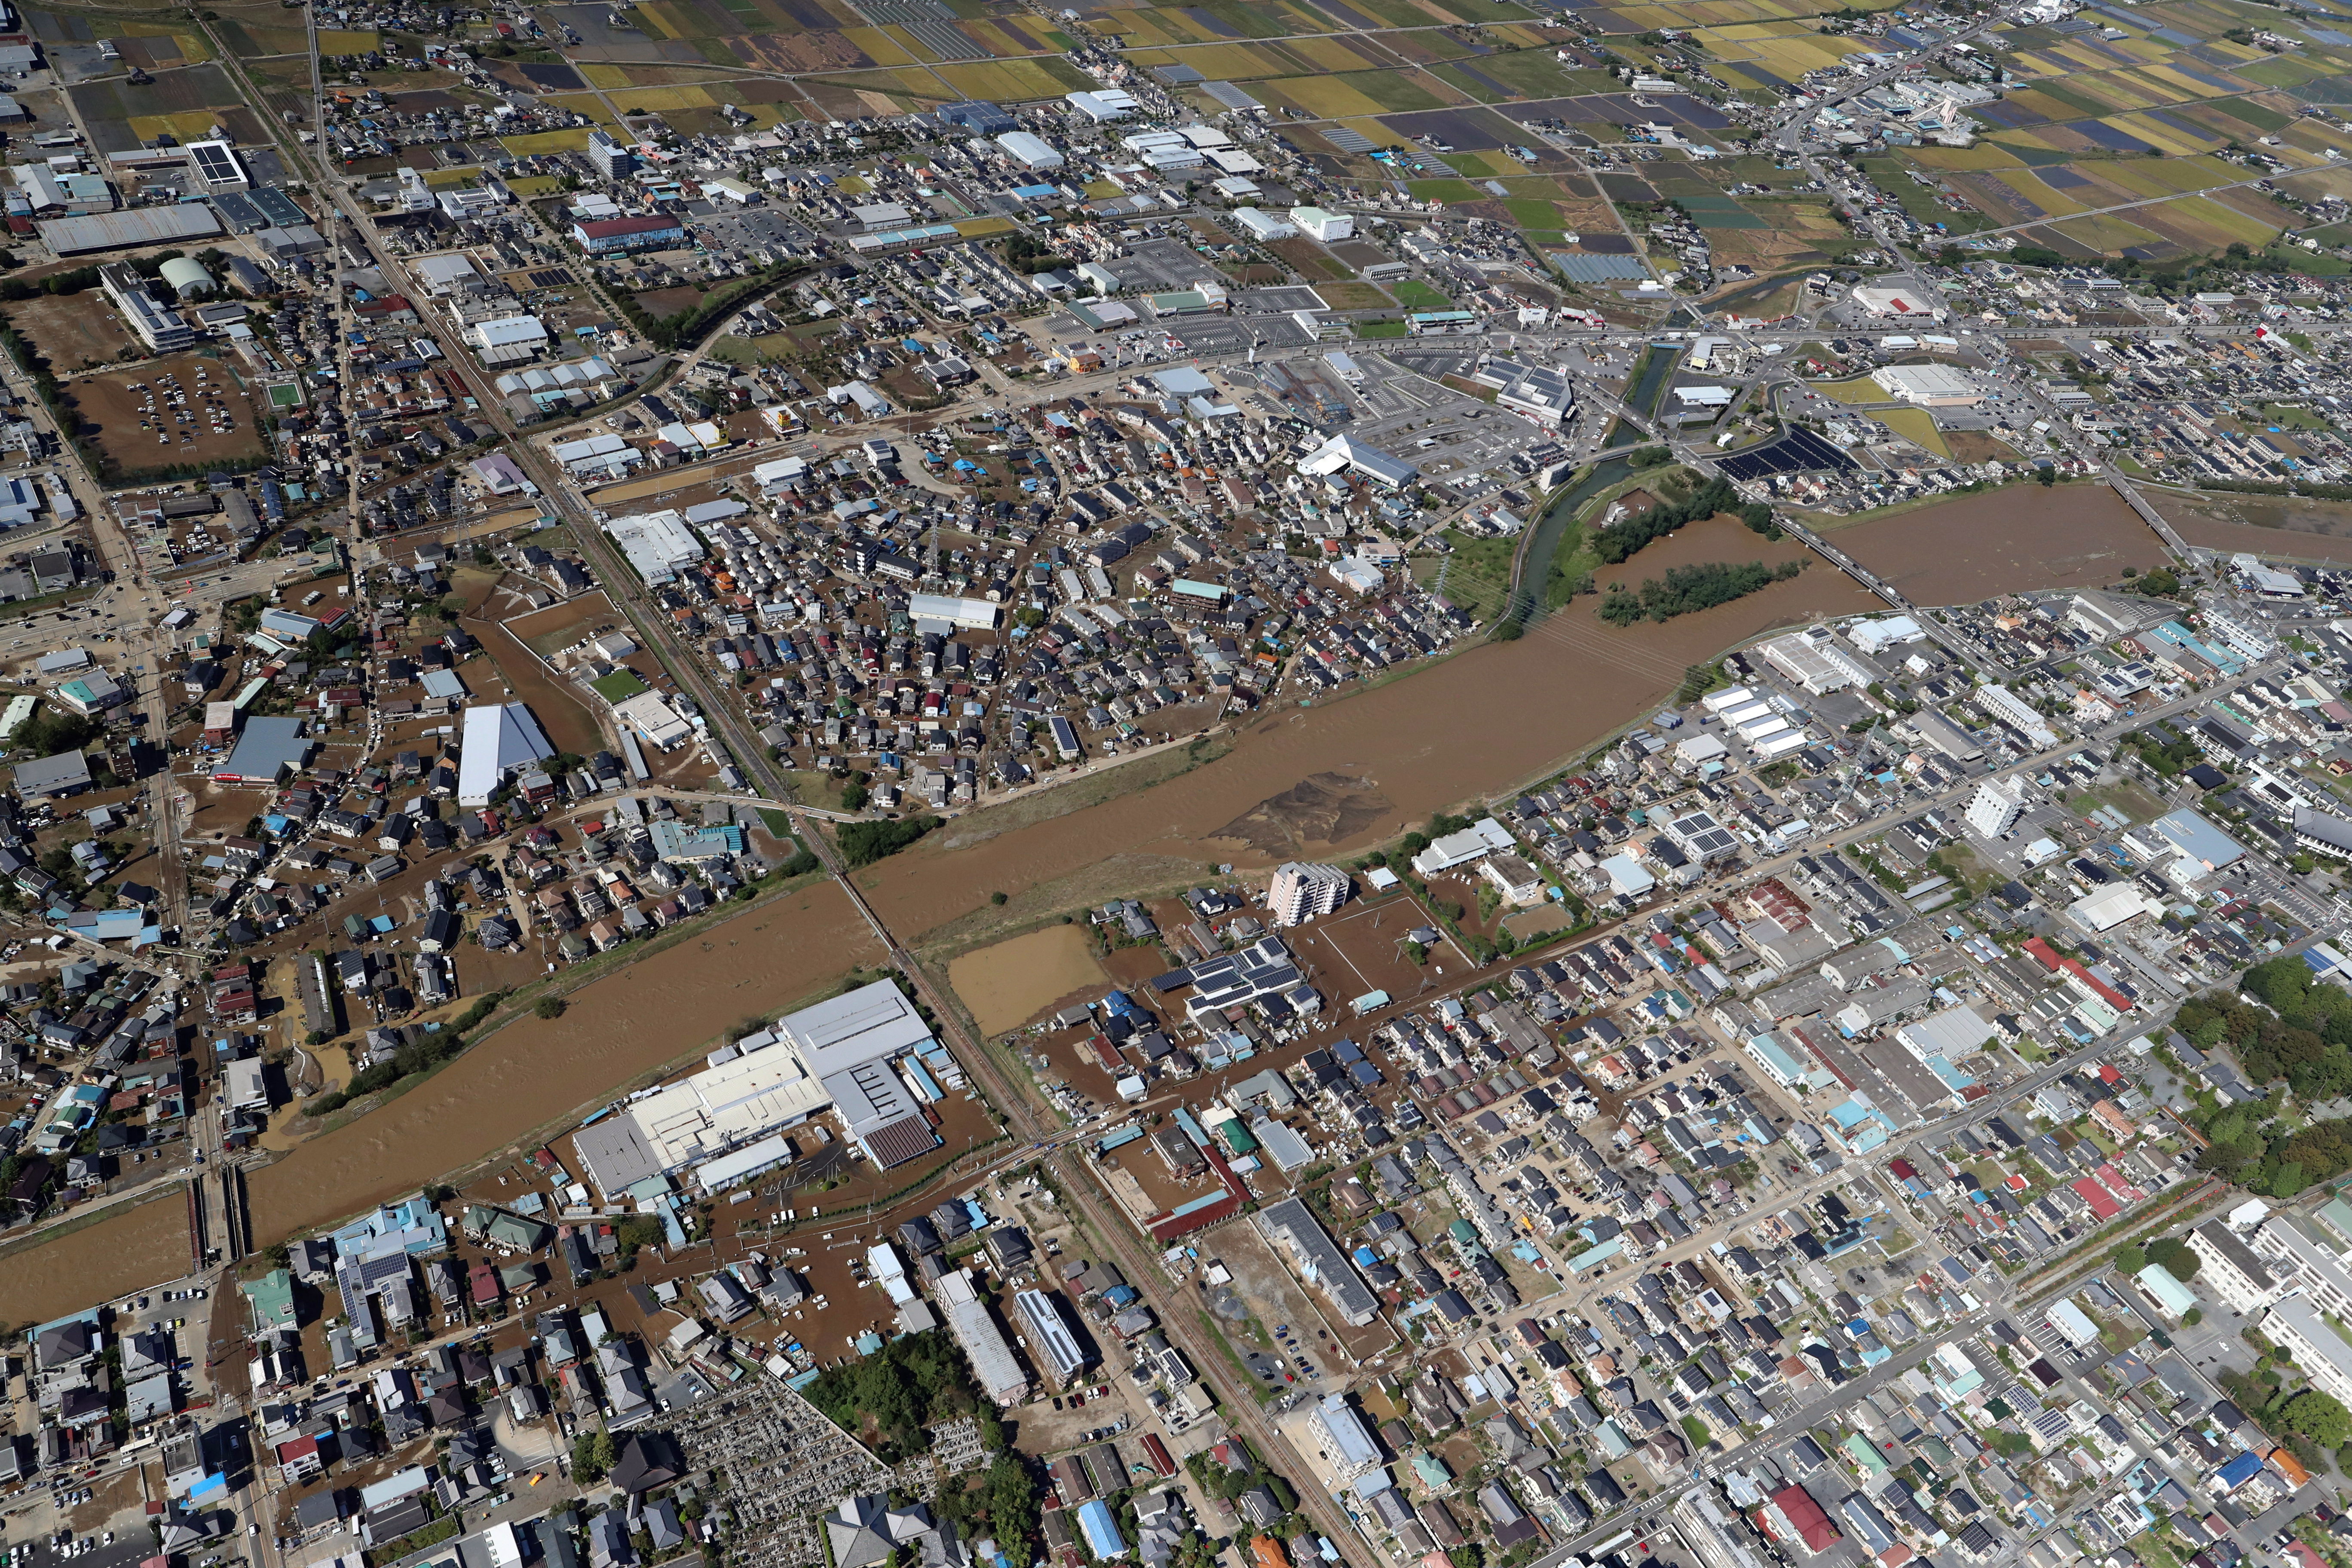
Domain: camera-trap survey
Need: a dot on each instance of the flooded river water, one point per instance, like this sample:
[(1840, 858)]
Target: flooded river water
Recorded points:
[(1478, 721), (1996, 542), (532, 1072), (1504, 712), (1358, 770)]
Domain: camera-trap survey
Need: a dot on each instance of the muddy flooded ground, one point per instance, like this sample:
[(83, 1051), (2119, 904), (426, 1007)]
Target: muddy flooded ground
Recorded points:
[(531, 1073), (1012, 981), (536, 1071), (1475, 723), (2025, 536)]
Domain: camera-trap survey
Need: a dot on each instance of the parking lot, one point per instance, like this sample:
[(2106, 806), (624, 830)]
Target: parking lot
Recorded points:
[(1162, 266), (746, 230), (1236, 334)]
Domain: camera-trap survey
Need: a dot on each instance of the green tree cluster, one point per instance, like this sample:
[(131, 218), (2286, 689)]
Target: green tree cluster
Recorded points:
[(2304, 1037), (2169, 758), (414, 1059), (51, 731), (1686, 589), (1004, 1496), (863, 842), (591, 1456), (1618, 541), (892, 1397)]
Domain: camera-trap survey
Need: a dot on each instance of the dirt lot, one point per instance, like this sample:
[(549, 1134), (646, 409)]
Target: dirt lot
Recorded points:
[(1360, 950), (1276, 1299), (73, 331), (1308, 259), (113, 403), (553, 629)]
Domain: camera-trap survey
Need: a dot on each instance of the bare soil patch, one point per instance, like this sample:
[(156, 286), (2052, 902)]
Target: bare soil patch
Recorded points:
[(1323, 809), (557, 627), (112, 405), (73, 331)]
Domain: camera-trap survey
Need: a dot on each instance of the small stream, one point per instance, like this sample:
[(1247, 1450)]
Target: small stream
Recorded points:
[(1657, 368), (1527, 604)]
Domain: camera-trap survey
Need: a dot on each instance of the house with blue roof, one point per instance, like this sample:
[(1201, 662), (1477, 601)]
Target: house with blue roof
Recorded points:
[(2237, 1472), (1101, 1529)]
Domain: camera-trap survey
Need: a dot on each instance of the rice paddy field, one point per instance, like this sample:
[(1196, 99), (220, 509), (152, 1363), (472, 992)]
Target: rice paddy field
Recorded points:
[(187, 101)]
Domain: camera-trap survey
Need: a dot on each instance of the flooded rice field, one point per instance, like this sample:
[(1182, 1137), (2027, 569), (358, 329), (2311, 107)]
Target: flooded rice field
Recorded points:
[(1475, 723), (1995, 542), (1008, 984)]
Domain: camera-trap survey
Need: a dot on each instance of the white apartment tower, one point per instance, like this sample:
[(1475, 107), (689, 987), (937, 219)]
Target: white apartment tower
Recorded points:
[(1301, 891), (1996, 804), (610, 159)]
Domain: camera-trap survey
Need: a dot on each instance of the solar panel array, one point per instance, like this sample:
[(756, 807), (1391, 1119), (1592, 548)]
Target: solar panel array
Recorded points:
[(1582, 267), (215, 166), (1795, 453), (1348, 140)]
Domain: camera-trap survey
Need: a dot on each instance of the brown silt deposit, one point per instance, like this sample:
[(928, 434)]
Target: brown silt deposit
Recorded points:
[(1340, 775)]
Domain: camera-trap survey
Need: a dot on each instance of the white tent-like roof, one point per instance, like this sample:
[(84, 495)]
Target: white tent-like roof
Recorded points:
[(496, 739)]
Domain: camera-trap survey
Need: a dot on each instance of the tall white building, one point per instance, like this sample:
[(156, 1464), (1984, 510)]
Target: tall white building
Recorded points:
[(2293, 1250), (974, 1328), (1996, 804), (609, 158), (1323, 226), (1345, 1443), (1301, 891), (2298, 1326), (161, 330)]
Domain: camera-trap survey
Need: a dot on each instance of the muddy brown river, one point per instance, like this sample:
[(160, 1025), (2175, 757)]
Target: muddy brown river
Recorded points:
[(1319, 781), (531, 1073), (1479, 722)]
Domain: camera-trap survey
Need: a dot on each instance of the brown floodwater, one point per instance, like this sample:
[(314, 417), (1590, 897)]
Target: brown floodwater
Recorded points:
[(1012, 981), (531, 1073), (1360, 769), (2293, 528), (110, 1259), (1474, 723), (535, 1071), (1997, 542)]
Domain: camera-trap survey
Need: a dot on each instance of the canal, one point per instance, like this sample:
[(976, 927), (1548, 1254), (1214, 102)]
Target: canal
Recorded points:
[(1527, 605), (1650, 385)]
